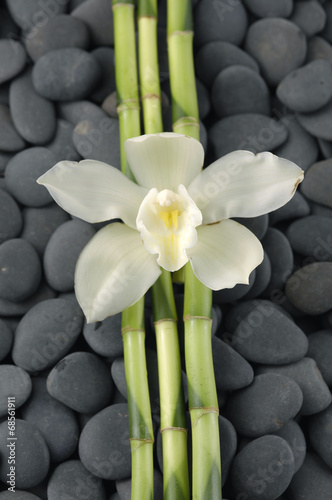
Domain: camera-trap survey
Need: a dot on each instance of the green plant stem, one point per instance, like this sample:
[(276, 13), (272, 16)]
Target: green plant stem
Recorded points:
[(173, 423), (203, 402), (133, 334)]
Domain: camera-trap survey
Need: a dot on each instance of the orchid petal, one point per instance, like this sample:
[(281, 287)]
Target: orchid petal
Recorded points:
[(164, 161), (242, 184), (113, 272), (225, 254), (93, 191)]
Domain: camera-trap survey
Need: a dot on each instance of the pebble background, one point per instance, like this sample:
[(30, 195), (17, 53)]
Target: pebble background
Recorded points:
[(264, 80)]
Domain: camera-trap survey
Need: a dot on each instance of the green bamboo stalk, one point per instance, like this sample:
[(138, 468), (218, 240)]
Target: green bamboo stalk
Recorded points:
[(133, 334), (203, 402), (173, 423)]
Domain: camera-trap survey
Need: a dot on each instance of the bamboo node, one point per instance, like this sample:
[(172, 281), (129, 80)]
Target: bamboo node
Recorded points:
[(151, 96), (182, 429), (189, 317), (205, 411), (140, 442), (180, 33), (128, 104), (165, 319), (185, 121), (120, 4), (129, 329)]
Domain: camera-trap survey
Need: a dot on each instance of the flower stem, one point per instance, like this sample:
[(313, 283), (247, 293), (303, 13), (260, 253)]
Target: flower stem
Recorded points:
[(173, 423), (203, 402), (133, 334)]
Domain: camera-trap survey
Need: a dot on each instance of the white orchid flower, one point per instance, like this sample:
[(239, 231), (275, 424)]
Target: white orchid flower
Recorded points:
[(175, 214)]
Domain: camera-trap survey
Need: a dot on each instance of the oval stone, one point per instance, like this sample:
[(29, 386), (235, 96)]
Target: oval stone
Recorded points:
[(78, 111), (13, 58), (10, 217), (10, 308), (46, 333), (104, 337), (278, 46), (281, 257), (310, 17), (30, 443), (293, 434), (33, 116), (318, 48), (265, 406), (270, 8), (28, 13), (317, 183), (297, 207), (106, 85), (62, 145), (318, 123), (62, 252), (104, 446), (19, 495), (55, 421), (65, 74), (320, 349), (320, 434), (312, 236), (10, 140), (98, 17), (14, 383), (313, 480)]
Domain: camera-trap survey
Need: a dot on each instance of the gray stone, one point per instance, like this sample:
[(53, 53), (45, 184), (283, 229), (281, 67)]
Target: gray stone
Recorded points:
[(106, 85), (313, 480), (30, 443), (15, 383), (318, 123), (270, 8), (62, 145), (33, 116), (62, 31), (78, 111), (71, 479), (104, 446), (292, 433), (62, 251), (10, 140), (13, 58), (28, 13), (316, 394), (216, 56), (309, 289), (98, 16), (9, 308), (20, 270), (22, 172), (104, 337), (265, 406), (10, 217), (238, 90), (55, 421), (46, 333), (317, 183), (252, 132), (308, 88), (320, 349), (19, 495), (278, 46), (6, 339), (262, 279), (318, 48), (320, 434), (310, 17), (66, 74), (281, 257), (311, 236)]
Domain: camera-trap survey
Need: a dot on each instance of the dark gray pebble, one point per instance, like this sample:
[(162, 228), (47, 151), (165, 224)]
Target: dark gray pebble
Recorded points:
[(10, 140), (240, 290), (71, 479), (81, 381), (263, 469), (106, 85), (231, 370), (320, 434), (16, 383), (98, 140), (292, 433), (104, 337), (78, 111), (312, 236), (278, 46), (327, 31), (98, 16), (273, 339), (124, 487), (216, 56), (28, 13), (270, 8), (62, 145), (9, 308), (66, 74), (310, 17), (104, 446), (238, 90), (6, 339), (46, 333), (22, 173), (262, 279), (55, 421), (309, 289), (316, 394), (61, 31), (280, 254), (62, 251), (32, 458), (19, 495), (20, 270), (320, 349), (318, 48), (308, 88), (317, 183), (251, 132), (10, 217), (313, 480), (40, 224), (220, 21), (13, 58), (318, 123), (265, 406), (33, 116), (300, 147)]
